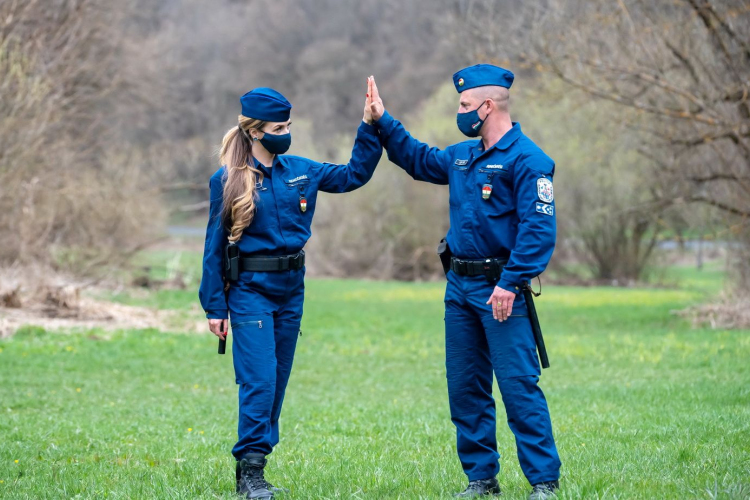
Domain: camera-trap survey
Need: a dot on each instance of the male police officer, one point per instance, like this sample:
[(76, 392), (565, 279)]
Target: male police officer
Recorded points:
[(502, 234)]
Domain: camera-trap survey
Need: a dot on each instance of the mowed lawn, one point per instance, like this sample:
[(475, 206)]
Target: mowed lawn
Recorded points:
[(643, 406)]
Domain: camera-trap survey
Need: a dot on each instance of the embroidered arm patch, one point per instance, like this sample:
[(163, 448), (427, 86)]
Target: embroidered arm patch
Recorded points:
[(544, 190), (545, 209)]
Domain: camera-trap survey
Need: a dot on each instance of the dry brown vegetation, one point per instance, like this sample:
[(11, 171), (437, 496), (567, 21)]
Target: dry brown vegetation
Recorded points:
[(112, 112), (730, 311), (70, 194)]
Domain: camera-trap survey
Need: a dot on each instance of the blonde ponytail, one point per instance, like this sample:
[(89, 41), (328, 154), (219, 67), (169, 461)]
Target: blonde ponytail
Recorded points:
[(240, 177)]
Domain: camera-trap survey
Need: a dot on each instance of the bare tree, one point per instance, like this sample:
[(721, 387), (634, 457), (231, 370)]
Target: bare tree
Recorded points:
[(680, 70), (68, 190)]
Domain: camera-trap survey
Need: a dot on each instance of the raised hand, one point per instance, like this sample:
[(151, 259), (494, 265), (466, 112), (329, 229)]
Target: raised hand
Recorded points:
[(376, 103), (367, 118)]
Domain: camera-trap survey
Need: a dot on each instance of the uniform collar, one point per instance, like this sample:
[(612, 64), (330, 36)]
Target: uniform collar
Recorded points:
[(263, 168), (506, 140)]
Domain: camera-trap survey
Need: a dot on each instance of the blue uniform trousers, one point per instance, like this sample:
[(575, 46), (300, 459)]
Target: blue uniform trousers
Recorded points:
[(265, 309), (475, 345)]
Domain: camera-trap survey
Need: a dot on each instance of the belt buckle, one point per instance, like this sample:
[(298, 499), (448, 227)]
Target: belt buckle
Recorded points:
[(487, 264)]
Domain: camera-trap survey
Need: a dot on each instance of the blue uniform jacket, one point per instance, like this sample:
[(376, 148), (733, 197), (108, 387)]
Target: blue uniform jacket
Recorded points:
[(501, 200), (279, 226)]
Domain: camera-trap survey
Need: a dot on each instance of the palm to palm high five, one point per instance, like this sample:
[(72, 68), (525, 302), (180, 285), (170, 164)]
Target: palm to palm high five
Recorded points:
[(374, 103)]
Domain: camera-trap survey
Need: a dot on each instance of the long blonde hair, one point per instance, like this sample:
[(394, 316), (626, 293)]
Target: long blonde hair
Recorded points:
[(240, 176)]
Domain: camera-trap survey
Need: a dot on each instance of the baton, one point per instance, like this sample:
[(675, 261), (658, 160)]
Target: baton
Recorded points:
[(222, 342), (531, 309)]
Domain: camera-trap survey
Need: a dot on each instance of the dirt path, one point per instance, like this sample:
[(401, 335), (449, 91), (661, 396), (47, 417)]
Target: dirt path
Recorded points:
[(90, 313)]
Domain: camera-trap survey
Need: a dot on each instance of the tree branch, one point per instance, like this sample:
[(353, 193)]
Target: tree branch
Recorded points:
[(652, 78), (720, 205), (626, 101), (719, 176)]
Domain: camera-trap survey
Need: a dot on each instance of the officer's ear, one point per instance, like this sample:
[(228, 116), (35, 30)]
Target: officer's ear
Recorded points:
[(490, 105)]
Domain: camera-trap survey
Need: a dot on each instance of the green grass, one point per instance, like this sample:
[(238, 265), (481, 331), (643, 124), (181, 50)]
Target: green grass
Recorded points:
[(711, 279), (642, 405)]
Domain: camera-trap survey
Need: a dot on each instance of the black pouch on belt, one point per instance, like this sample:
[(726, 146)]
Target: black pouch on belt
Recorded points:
[(232, 262), (445, 254)]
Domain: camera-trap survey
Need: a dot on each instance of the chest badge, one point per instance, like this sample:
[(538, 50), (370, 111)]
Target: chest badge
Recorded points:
[(486, 191), (303, 204)]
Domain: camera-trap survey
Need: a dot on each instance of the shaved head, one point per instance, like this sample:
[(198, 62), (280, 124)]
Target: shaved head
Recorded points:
[(500, 95)]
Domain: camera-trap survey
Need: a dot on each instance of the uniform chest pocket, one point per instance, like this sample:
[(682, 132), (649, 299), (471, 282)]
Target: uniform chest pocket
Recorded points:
[(494, 191), (298, 191), (456, 184)]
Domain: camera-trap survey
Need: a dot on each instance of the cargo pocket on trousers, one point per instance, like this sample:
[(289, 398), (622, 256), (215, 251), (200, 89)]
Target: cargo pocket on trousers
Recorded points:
[(253, 348)]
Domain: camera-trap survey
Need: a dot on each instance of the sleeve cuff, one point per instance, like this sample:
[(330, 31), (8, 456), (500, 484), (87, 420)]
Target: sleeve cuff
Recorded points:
[(385, 124), (367, 128), (217, 314), (511, 287)]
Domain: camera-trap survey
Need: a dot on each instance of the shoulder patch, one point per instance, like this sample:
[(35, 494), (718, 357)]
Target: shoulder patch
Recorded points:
[(544, 190), (545, 209)]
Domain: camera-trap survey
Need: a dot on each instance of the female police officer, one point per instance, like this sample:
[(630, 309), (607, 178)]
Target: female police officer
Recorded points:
[(261, 208)]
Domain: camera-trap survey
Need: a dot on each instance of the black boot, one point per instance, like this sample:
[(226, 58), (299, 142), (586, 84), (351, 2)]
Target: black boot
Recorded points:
[(250, 480), (543, 491), (480, 488), (275, 489)]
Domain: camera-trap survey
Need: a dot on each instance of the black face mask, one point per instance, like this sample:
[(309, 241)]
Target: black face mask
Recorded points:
[(276, 144)]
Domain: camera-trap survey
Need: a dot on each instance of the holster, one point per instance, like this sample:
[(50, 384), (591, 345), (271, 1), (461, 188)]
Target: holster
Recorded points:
[(231, 262), (445, 254)]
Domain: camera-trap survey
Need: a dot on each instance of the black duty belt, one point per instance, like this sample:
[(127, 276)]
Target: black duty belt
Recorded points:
[(483, 267), (258, 263), (492, 269)]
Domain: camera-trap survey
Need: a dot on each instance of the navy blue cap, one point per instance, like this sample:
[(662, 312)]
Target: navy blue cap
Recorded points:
[(482, 75), (265, 104)]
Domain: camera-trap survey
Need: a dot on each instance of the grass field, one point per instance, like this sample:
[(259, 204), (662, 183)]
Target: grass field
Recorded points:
[(643, 406)]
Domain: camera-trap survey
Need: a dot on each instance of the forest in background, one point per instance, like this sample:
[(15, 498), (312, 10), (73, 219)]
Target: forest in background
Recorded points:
[(112, 114)]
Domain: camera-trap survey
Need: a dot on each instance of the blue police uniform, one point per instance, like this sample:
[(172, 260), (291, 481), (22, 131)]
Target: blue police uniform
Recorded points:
[(265, 308), (501, 206)]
